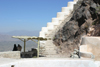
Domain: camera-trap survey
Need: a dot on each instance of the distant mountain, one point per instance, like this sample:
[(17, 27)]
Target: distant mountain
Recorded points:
[(8, 35), (6, 38), (23, 32)]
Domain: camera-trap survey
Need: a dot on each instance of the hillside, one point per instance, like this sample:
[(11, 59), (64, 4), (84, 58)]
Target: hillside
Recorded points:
[(7, 38), (85, 21)]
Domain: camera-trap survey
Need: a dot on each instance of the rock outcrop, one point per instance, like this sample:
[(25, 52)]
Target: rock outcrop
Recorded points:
[(85, 21)]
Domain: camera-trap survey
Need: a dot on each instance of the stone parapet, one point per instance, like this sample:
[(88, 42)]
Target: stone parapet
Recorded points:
[(10, 54)]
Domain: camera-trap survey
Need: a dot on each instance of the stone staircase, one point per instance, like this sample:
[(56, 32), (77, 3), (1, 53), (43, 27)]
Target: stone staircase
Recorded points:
[(47, 48)]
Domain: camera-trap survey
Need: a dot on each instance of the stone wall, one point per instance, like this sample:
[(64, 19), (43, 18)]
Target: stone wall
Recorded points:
[(10, 54), (91, 44)]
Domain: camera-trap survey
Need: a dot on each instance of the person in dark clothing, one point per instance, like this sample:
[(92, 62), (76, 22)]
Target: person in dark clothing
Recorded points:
[(34, 51), (15, 47), (19, 47)]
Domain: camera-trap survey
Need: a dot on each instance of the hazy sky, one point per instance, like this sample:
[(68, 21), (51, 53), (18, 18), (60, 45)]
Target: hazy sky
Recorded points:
[(28, 14)]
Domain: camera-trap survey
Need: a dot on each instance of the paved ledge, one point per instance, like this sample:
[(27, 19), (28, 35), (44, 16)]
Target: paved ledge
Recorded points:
[(10, 54), (48, 62)]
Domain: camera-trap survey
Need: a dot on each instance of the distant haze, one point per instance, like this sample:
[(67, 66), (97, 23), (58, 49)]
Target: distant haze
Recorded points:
[(7, 36), (7, 42), (21, 32), (24, 32)]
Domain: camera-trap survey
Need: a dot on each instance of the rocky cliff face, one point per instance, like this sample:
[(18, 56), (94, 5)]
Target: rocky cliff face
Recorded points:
[(85, 21)]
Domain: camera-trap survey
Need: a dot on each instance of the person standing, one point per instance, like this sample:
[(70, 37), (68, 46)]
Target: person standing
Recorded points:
[(15, 47)]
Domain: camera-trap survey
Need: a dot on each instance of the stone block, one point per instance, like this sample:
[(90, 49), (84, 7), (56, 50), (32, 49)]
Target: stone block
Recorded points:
[(44, 29), (93, 46), (50, 26), (71, 5), (66, 10), (60, 15), (55, 20)]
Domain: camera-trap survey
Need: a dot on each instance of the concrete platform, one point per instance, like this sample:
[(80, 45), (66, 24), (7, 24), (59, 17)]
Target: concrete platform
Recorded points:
[(48, 62)]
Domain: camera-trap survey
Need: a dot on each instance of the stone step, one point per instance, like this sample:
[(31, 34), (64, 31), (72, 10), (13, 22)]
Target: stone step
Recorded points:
[(66, 9), (51, 49), (42, 49), (55, 20), (50, 26), (75, 0), (49, 44), (60, 15), (71, 5), (44, 29), (49, 53), (55, 55), (55, 26), (42, 34), (49, 41)]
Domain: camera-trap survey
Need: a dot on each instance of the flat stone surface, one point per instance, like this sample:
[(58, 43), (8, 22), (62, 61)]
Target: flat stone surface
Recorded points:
[(47, 62), (6, 60)]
